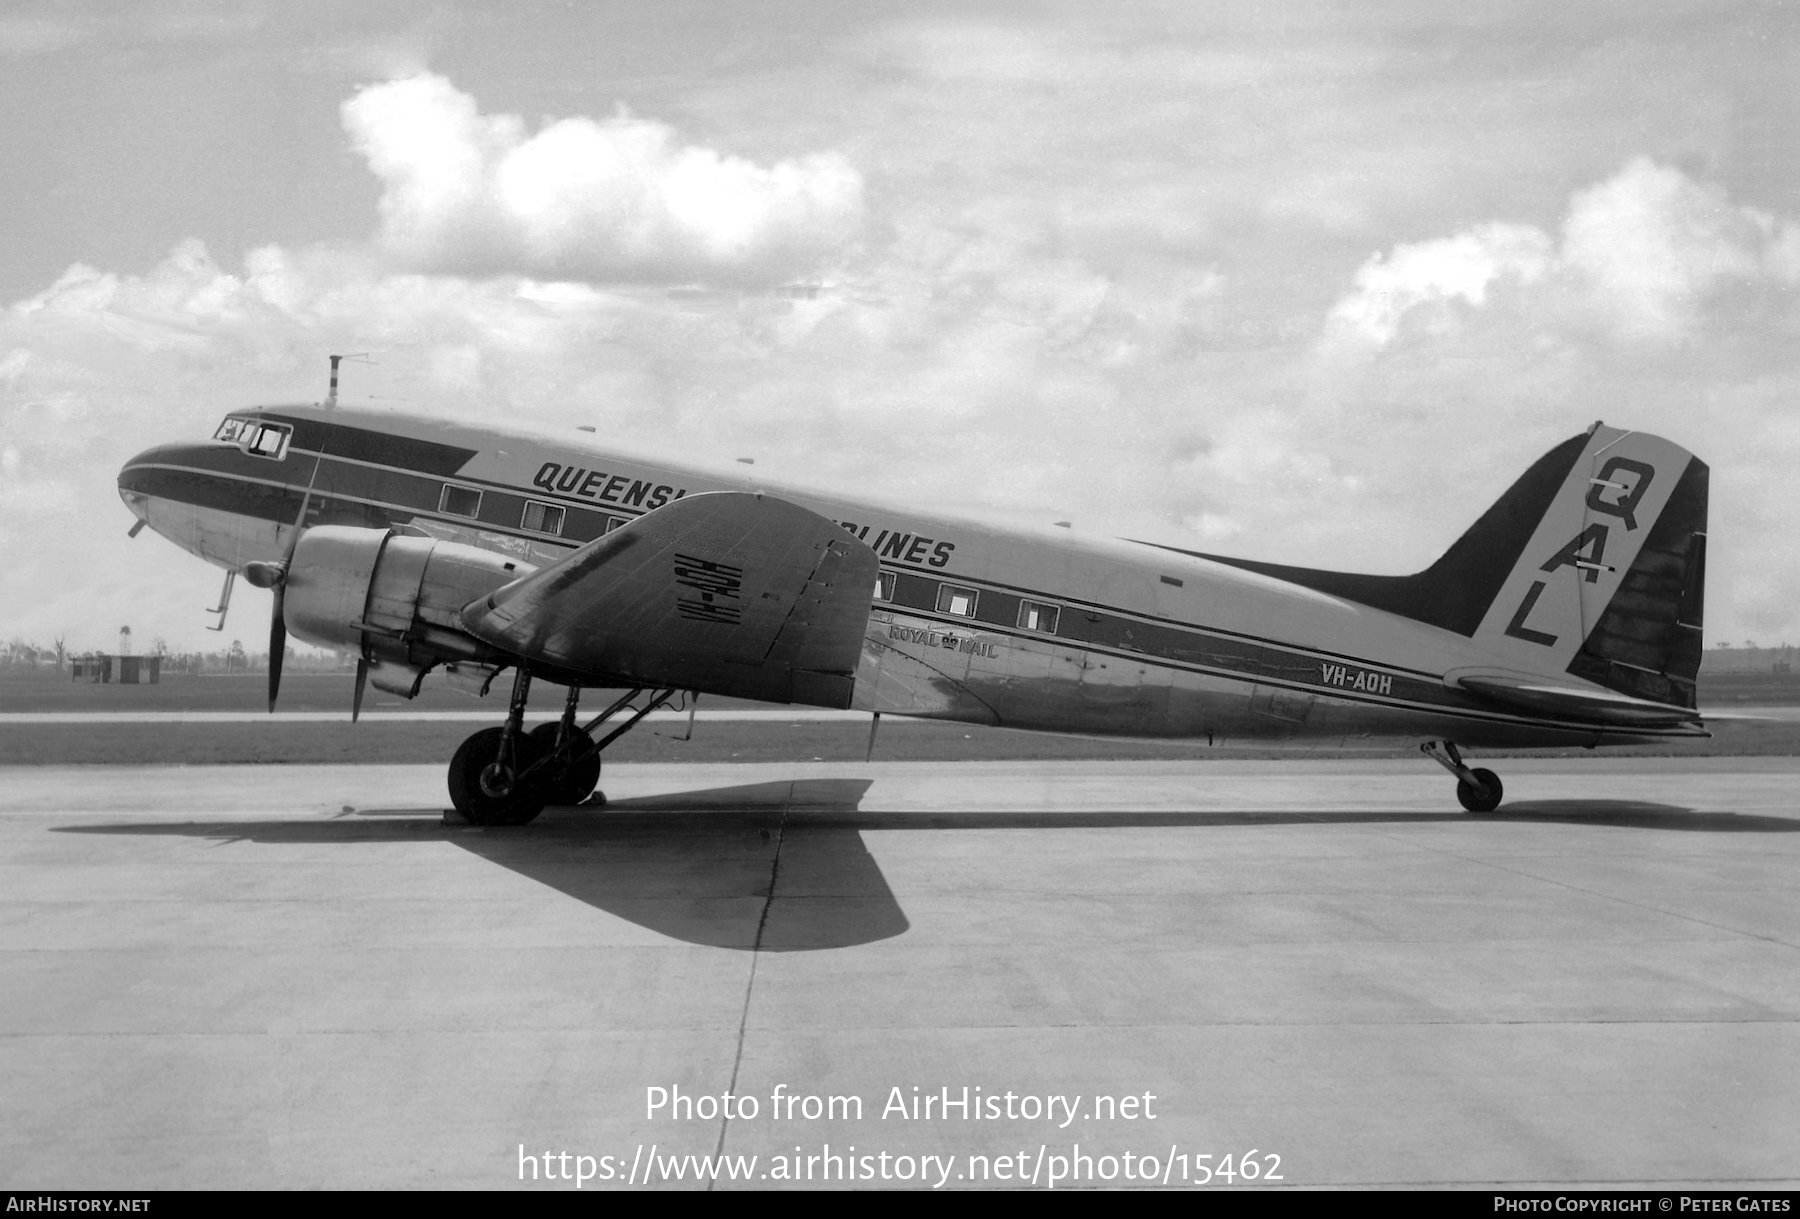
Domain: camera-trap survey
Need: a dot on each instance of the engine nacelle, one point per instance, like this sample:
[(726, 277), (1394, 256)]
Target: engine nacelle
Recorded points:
[(392, 597)]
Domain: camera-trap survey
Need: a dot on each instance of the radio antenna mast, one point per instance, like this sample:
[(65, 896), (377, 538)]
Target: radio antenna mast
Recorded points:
[(331, 398)]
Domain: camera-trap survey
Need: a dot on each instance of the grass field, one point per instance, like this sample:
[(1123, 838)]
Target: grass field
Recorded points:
[(378, 740)]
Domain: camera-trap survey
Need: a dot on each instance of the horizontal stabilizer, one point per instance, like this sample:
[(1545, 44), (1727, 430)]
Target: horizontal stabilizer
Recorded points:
[(729, 593), (1596, 706)]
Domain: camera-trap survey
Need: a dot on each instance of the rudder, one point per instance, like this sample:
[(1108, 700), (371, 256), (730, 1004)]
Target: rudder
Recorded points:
[(1610, 586)]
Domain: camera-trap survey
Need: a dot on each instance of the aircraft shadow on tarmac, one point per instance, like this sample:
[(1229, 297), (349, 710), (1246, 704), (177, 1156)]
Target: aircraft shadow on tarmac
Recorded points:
[(740, 867), (782, 866), (1638, 815), (696, 866)]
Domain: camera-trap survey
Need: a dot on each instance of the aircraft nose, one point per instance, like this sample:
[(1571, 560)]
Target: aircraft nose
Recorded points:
[(144, 476), (133, 489), (138, 502), (133, 483)]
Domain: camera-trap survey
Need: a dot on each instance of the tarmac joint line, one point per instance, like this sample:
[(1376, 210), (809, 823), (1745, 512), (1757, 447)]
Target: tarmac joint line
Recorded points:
[(762, 922)]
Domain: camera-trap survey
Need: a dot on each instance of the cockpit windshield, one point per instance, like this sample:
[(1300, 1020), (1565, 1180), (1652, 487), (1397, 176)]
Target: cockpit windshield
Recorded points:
[(257, 437)]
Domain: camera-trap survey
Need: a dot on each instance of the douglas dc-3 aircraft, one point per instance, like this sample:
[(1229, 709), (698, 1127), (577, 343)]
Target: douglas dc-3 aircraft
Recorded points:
[(1568, 614)]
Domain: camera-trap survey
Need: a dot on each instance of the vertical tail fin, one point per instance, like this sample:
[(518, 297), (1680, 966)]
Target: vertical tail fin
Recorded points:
[(1609, 585)]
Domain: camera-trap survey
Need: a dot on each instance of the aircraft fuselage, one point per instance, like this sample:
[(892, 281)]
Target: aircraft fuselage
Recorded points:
[(1033, 628)]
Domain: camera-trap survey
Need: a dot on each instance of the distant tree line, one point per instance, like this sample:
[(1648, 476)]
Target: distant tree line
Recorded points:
[(19, 654)]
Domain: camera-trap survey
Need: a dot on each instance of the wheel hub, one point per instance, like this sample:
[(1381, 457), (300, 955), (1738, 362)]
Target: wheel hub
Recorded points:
[(496, 780)]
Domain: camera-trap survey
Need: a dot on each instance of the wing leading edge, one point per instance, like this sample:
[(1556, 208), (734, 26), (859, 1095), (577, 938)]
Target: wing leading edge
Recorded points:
[(729, 593)]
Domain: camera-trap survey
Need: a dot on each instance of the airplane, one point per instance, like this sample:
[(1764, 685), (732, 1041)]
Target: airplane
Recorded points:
[(1569, 613)]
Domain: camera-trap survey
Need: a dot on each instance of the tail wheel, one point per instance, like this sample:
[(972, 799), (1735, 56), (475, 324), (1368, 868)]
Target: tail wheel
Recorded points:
[(503, 799), (1480, 799), (569, 784)]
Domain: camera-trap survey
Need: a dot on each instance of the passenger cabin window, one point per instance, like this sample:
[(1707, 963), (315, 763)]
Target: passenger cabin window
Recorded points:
[(255, 437), (460, 501), (614, 522), (542, 518), (954, 600), (884, 586), (1036, 616)]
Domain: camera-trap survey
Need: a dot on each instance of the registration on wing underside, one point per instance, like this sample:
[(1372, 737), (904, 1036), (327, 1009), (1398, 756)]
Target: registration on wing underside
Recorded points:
[(713, 590), (728, 593)]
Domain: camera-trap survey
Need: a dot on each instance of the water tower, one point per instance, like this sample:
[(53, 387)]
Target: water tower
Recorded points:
[(125, 641)]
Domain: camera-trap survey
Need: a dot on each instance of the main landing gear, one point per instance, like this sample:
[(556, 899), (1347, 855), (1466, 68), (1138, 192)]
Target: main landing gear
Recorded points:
[(1477, 790), (505, 775)]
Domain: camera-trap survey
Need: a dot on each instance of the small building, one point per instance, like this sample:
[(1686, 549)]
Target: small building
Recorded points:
[(92, 667), (136, 670), (129, 670)]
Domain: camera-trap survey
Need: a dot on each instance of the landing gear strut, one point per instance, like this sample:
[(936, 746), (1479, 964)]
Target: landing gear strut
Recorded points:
[(489, 776), (505, 776), (571, 763), (1478, 790)]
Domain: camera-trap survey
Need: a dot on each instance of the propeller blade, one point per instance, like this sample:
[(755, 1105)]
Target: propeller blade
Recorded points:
[(277, 646), (362, 680), (300, 520), (274, 576)]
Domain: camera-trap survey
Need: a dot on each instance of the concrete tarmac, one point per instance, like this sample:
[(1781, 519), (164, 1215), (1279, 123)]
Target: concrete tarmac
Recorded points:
[(298, 976)]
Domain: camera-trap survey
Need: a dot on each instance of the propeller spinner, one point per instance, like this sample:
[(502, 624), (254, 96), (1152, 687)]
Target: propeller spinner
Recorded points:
[(274, 576)]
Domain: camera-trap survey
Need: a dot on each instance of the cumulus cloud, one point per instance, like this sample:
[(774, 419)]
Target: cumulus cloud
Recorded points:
[(1426, 273), (1639, 256), (617, 199), (1652, 244)]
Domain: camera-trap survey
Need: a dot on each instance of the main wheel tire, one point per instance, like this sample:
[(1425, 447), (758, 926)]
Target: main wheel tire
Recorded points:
[(570, 784), (475, 755), (1482, 799)]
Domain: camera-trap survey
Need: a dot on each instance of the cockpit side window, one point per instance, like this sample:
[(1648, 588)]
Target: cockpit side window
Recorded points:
[(256, 437), (269, 440)]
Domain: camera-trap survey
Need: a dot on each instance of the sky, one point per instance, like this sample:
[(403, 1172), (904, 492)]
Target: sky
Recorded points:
[(1311, 283)]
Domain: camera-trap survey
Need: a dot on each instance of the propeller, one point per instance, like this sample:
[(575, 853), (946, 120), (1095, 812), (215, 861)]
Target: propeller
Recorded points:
[(263, 574), (362, 679)]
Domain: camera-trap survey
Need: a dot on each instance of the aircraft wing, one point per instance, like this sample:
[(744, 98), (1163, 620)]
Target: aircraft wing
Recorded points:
[(729, 593), (1590, 703)]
